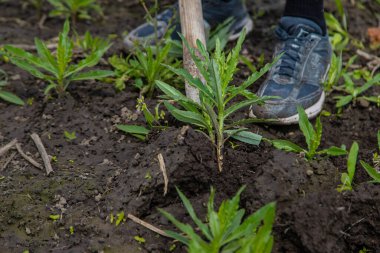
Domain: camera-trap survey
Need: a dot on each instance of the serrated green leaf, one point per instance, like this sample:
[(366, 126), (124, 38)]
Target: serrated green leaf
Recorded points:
[(133, 129), (343, 100), (245, 136), (287, 146), (11, 98), (306, 128), (334, 151), (372, 172), (92, 74)]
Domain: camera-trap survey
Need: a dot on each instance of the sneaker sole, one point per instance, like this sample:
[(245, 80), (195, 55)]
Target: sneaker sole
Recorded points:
[(248, 26), (311, 113)]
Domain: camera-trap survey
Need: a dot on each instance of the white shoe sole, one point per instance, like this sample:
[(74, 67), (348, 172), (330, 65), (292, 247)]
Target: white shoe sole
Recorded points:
[(248, 28), (311, 113)]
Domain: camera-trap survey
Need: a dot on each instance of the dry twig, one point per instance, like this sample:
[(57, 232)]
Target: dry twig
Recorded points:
[(147, 225), (7, 147), (8, 161), (163, 169), (43, 153), (28, 158)]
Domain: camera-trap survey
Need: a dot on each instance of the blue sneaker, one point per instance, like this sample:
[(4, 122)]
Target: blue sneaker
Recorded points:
[(298, 77), (214, 12)]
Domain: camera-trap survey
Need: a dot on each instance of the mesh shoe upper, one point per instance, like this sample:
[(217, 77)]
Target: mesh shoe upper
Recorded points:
[(214, 11), (298, 76)]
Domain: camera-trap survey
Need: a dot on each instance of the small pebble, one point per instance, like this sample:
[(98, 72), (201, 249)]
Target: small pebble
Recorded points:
[(363, 103), (309, 172), (98, 197), (27, 230)]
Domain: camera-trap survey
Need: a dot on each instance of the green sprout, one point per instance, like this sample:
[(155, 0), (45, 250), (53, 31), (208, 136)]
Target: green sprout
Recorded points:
[(75, 9), (90, 44), (226, 230), (313, 138), (120, 218), (71, 230), (336, 70), (58, 71), (152, 120), (144, 66), (54, 217), (54, 159), (374, 172), (216, 97), (338, 30), (355, 91), (347, 178), (70, 136), (139, 239), (5, 95)]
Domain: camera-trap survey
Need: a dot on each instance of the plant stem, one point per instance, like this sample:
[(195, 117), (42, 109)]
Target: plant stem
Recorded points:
[(219, 156)]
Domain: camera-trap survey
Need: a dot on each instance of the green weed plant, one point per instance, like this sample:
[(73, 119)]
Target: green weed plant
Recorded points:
[(212, 113), (226, 230), (313, 136), (347, 178), (58, 70)]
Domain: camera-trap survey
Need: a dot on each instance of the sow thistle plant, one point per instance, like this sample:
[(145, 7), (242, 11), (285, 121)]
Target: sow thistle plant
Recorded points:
[(226, 231), (5, 95), (211, 115), (74, 9), (347, 178), (313, 136), (374, 171), (57, 69)]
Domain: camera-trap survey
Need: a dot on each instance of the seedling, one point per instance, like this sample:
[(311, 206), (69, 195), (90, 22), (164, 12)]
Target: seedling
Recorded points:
[(347, 178), (120, 218), (338, 30), (75, 9), (226, 230), (374, 172), (54, 159), (71, 230), (152, 121), (139, 239), (54, 217), (336, 70), (58, 70), (144, 66), (313, 136), (216, 104), (355, 91), (90, 44), (5, 95), (70, 136)]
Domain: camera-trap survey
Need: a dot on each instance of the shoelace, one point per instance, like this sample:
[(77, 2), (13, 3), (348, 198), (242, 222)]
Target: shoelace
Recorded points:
[(292, 47)]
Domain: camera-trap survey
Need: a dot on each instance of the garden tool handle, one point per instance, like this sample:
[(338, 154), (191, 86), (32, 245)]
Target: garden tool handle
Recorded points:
[(192, 27)]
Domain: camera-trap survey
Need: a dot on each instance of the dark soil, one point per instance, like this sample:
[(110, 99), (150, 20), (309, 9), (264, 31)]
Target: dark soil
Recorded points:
[(104, 172)]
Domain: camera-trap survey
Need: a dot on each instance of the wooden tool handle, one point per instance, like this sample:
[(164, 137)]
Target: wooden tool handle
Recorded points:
[(192, 26)]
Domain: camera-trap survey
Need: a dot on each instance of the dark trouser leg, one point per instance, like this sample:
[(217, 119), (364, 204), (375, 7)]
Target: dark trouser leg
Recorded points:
[(310, 9)]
